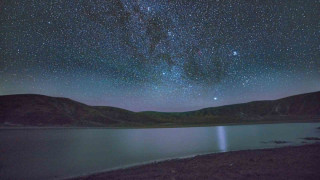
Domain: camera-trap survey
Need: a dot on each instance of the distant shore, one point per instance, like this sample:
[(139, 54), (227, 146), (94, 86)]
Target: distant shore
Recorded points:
[(294, 162), (3, 127)]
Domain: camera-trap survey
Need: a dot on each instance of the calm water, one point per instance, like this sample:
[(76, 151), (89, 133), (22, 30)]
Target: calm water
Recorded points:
[(58, 153)]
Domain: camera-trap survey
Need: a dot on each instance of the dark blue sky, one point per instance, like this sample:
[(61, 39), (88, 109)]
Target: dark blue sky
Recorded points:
[(160, 55)]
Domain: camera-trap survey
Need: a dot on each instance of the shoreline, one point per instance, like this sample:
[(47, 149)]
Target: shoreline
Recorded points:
[(151, 126), (289, 162)]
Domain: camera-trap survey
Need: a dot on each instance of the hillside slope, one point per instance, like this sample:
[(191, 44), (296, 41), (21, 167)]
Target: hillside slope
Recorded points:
[(31, 109), (296, 108), (40, 110)]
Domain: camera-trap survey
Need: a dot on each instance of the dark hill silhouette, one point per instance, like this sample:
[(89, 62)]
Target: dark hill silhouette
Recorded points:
[(294, 108), (29, 109), (40, 110)]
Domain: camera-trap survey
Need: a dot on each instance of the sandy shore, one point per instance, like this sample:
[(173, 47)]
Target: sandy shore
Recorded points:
[(302, 162)]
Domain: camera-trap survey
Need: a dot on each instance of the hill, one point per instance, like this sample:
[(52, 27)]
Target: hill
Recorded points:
[(40, 110), (294, 108)]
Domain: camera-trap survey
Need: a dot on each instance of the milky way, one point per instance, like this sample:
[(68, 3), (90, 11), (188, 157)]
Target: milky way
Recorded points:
[(160, 55)]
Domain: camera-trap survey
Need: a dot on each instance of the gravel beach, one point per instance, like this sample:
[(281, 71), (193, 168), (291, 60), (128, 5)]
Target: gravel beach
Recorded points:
[(300, 162)]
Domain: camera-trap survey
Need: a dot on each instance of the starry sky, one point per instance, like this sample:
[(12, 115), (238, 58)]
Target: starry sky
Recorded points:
[(173, 55)]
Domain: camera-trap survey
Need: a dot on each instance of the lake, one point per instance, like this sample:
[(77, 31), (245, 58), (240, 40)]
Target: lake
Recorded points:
[(62, 152)]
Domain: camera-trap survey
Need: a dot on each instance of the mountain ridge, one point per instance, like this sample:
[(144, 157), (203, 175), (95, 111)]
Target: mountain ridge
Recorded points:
[(42, 110)]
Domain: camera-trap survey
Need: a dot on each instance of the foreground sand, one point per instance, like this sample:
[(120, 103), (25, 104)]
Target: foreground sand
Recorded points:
[(301, 162)]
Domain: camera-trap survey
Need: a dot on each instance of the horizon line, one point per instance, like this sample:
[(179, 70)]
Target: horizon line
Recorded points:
[(161, 111)]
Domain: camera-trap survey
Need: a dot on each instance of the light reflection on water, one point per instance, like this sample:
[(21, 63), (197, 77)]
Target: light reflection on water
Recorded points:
[(222, 139), (51, 153)]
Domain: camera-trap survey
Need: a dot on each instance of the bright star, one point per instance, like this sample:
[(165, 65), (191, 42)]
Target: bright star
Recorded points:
[(215, 98), (235, 53)]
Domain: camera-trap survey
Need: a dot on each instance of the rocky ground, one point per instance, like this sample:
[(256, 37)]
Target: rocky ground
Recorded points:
[(302, 162)]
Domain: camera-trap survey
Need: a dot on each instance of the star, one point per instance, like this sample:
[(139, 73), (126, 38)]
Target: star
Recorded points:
[(235, 53)]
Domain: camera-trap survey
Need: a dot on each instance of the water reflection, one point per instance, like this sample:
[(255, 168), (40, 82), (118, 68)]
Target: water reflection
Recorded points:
[(222, 138), (68, 152)]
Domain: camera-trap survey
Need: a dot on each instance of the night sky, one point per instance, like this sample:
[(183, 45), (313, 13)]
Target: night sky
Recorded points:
[(160, 55)]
